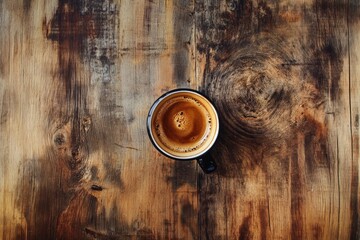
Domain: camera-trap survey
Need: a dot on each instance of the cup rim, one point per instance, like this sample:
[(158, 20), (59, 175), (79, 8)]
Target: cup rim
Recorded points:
[(149, 118)]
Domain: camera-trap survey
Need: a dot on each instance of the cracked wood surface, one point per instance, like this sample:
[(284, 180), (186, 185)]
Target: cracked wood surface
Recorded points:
[(77, 79)]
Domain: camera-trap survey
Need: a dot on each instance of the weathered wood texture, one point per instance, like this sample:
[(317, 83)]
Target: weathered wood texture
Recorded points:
[(77, 79), (283, 76)]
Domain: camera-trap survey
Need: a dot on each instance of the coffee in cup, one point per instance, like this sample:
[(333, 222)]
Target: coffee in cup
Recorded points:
[(183, 125)]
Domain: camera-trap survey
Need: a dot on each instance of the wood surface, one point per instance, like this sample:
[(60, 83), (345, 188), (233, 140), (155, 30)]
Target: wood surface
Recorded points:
[(77, 79)]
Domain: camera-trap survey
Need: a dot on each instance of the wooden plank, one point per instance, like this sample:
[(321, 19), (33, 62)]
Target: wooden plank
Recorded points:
[(279, 74), (354, 88), (77, 81), (23, 113)]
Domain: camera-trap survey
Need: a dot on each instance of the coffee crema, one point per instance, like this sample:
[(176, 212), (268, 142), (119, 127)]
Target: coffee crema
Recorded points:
[(184, 124)]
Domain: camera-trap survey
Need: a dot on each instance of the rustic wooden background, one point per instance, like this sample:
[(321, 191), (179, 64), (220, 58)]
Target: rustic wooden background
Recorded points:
[(77, 78)]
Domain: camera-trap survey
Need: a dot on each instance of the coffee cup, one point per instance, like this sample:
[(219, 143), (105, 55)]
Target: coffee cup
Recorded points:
[(183, 125)]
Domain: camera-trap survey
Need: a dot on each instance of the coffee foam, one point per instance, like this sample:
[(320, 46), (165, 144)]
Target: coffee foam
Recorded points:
[(183, 124)]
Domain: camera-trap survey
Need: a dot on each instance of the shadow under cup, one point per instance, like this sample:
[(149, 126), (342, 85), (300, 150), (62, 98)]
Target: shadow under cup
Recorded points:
[(183, 125)]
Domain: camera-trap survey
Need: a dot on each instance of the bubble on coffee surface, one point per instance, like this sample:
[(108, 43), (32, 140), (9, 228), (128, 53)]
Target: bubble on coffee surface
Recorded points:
[(182, 124), (180, 120), (157, 130)]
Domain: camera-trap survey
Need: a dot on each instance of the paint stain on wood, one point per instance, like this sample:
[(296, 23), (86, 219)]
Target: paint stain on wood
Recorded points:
[(27, 5), (315, 143), (317, 232), (71, 26), (187, 218), (245, 232), (183, 21), (205, 218), (148, 9), (264, 220), (226, 27), (86, 28), (183, 173), (85, 34), (44, 201), (297, 197)]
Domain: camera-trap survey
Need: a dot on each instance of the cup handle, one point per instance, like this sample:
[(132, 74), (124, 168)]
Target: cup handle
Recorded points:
[(206, 163)]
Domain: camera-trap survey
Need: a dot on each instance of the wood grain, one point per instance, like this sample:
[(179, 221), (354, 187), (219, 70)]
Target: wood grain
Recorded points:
[(354, 58), (77, 78), (77, 82), (279, 74)]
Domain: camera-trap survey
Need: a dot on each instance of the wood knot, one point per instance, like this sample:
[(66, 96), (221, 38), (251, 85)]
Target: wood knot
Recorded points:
[(86, 123), (259, 99), (59, 139), (96, 187), (254, 97), (70, 145)]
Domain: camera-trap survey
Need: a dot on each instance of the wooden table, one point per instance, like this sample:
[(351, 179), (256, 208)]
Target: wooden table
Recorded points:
[(77, 79)]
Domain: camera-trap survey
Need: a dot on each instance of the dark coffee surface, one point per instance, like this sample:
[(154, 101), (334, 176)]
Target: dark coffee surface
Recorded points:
[(182, 124)]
